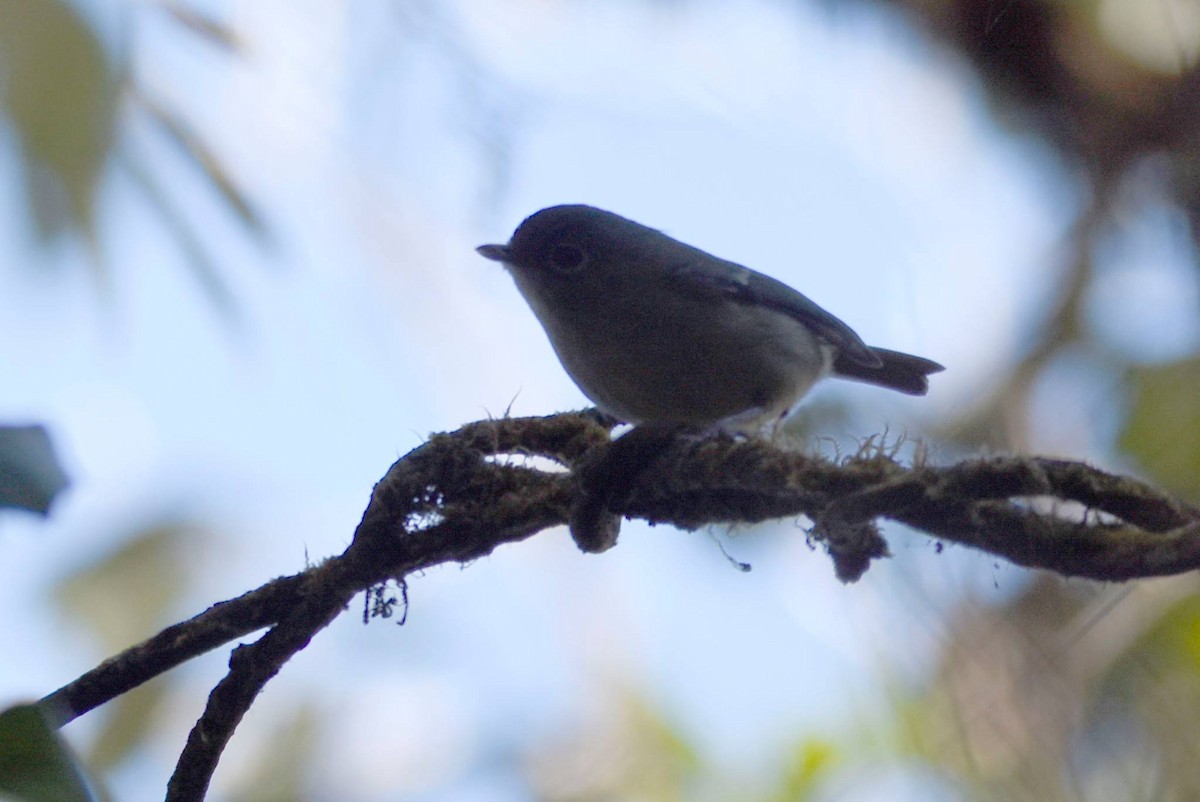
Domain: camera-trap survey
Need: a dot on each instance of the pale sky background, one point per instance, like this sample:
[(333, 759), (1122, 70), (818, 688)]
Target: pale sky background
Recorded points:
[(830, 148)]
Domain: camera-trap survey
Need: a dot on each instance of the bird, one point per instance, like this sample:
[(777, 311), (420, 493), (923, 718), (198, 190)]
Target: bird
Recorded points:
[(657, 332)]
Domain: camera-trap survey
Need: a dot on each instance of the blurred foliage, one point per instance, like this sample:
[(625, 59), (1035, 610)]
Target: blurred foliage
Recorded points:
[(67, 100), (809, 768), (1073, 691), (192, 145), (1163, 428), (1113, 87), (120, 598), (203, 26), (1068, 72), (636, 753), (129, 722), (35, 764), (60, 96), (135, 590), (126, 594), (1067, 693), (281, 770), (30, 474)]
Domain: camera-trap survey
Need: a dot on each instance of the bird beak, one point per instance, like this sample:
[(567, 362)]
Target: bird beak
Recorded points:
[(497, 253)]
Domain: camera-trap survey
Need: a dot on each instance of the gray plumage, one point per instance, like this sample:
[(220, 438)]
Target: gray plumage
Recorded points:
[(656, 331)]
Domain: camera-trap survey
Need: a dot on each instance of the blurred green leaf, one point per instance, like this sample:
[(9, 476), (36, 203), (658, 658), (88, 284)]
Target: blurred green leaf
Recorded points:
[(812, 762), (636, 753), (129, 720), (59, 93), (1151, 691), (1170, 642), (35, 764), (282, 770), (666, 762), (1163, 428), (30, 474), (124, 596)]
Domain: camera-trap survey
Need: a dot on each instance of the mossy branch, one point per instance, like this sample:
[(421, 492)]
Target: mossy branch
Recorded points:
[(462, 494)]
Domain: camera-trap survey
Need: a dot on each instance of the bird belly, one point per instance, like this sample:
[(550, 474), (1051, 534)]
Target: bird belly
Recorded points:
[(664, 368)]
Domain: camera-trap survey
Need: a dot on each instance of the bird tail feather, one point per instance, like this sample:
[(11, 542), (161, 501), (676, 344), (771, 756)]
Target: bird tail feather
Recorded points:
[(904, 373)]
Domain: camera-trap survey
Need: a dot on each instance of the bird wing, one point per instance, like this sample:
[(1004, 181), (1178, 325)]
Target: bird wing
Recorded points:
[(717, 277)]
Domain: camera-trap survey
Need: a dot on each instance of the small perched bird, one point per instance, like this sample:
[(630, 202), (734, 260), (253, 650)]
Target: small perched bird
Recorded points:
[(655, 331)]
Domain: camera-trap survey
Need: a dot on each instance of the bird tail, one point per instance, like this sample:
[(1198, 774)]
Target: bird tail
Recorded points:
[(904, 373)]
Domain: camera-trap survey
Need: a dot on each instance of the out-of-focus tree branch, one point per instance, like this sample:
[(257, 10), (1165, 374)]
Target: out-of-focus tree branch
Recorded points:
[(1117, 99)]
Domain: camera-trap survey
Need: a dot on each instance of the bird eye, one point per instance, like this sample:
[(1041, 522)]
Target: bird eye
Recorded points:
[(567, 257)]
